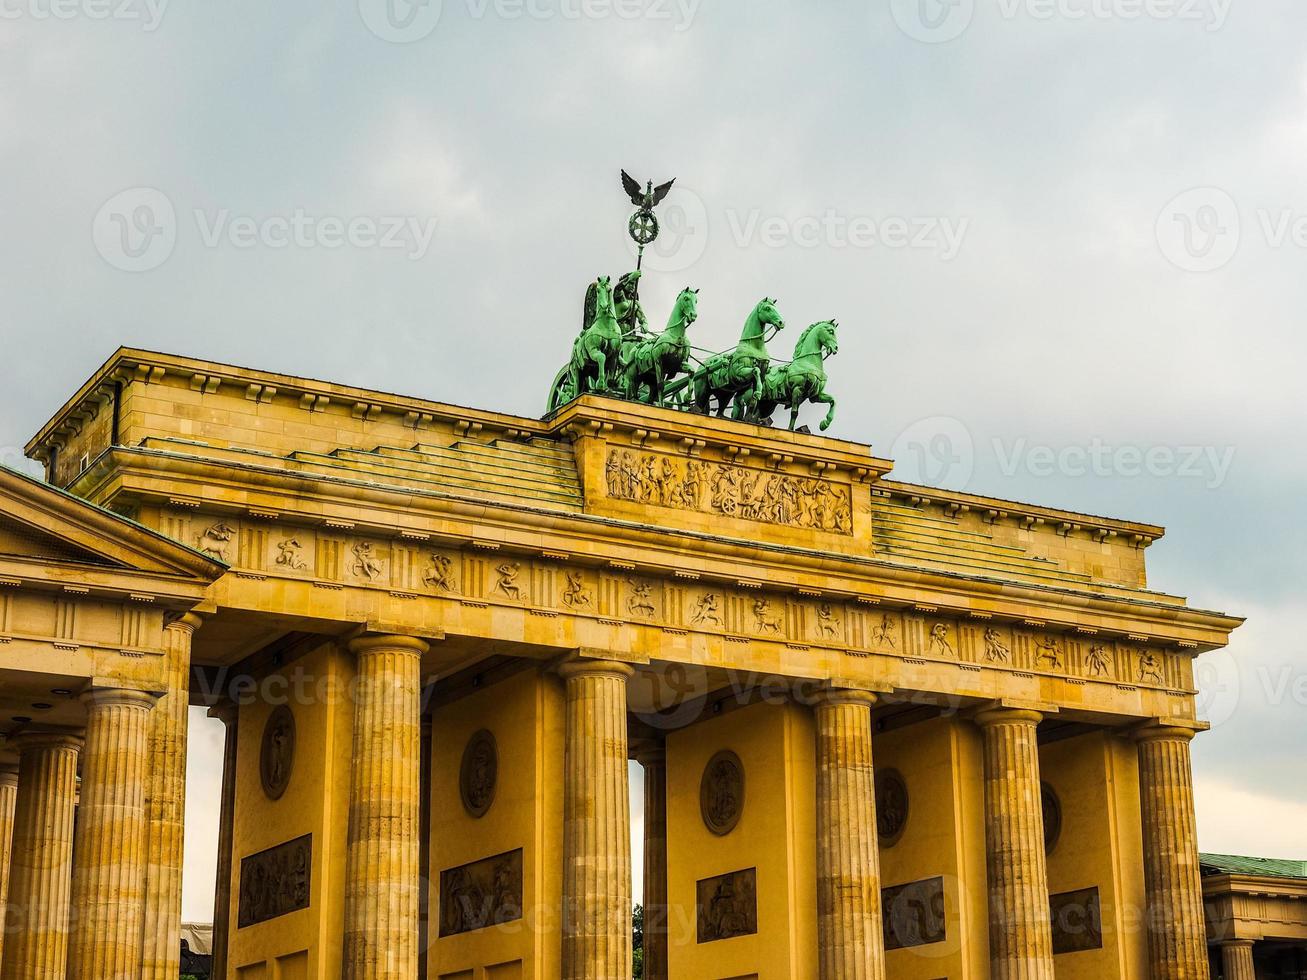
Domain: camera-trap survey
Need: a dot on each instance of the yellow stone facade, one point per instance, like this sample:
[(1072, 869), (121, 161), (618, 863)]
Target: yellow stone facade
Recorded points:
[(888, 731)]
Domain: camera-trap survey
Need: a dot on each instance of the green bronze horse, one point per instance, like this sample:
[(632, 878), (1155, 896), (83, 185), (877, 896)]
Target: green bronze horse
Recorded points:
[(738, 375), (599, 344), (804, 378), (648, 365)]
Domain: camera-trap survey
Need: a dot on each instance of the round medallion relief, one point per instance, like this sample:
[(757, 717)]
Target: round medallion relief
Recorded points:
[(891, 806), (479, 773), (277, 754), (1052, 808), (721, 793)]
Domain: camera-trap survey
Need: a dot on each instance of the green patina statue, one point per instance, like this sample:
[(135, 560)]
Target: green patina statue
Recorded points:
[(804, 378), (617, 355), (736, 376), (649, 364)]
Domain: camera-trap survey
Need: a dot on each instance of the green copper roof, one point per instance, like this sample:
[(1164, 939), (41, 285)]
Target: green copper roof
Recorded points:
[(1228, 864)]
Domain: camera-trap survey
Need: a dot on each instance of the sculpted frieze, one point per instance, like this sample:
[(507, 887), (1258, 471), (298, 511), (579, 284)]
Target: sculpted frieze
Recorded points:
[(728, 490)]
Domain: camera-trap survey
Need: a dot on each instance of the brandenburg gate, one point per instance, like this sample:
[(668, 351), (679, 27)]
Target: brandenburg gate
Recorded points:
[(885, 730)]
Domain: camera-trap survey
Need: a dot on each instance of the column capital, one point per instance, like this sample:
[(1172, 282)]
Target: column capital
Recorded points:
[(649, 751), (1237, 943), (43, 740), (582, 666), (189, 622), (126, 697), (1003, 714), (225, 711), (1168, 730), (9, 776), (371, 642), (846, 695)]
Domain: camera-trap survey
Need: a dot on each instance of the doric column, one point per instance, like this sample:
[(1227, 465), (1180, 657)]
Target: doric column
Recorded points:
[(229, 714), (1020, 937), (1237, 960), (850, 936), (653, 757), (8, 797), (166, 808), (1177, 944), (596, 823), (108, 897), (381, 885), (40, 871)]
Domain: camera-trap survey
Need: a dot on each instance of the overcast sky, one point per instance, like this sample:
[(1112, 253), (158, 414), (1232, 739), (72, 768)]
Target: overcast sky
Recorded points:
[(1044, 225)]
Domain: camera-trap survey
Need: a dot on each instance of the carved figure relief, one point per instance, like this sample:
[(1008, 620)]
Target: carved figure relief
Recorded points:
[(996, 651), (481, 894), (275, 882), (277, 753), (939, 642), (576, 594), (1052, 810), (439, 575), (640, 601), (1150, 667), (891, 806), (1099, 660), (708, 612), (828, 621), (479, 773), (727, 906), (1077, 921), (366, 563), (764, 620), (216, 542), (721, 793), (506, 575), (884, 633), (913, 914), (1047, 652), (754, 495), (290, 554)]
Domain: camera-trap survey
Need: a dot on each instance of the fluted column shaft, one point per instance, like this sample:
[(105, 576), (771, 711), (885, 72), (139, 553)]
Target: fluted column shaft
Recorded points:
[(1237, 960), (1177, 944), (850, 934), (1020, 937), (8, 797), (166, 809), (229, 714), (596, 824), (108, 894), (40, 872), (654, 761), (382, 874)]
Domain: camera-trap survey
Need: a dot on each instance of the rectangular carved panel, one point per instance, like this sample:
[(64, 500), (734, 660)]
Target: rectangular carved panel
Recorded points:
[(728, 906), (1077, 919), (913, 914), (275, 882), (484, 893)]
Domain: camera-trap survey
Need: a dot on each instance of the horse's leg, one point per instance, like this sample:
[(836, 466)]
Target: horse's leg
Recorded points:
[(826, 399), (601, 364)]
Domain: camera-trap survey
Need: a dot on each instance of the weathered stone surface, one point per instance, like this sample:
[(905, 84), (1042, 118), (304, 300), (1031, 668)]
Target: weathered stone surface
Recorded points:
[(851, 942), (654, 761), (596, 824), (1177, 944), (8, 797), (1020, 940), (108, 890)]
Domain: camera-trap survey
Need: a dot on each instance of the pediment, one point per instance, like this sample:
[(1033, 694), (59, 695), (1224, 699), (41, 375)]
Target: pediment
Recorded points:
[(39, 523)]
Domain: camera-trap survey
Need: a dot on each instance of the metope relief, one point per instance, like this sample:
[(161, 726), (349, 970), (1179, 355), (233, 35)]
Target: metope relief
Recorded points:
[(275, 882), (438, 576), (731, 491), (727, 906), (481, 894)]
